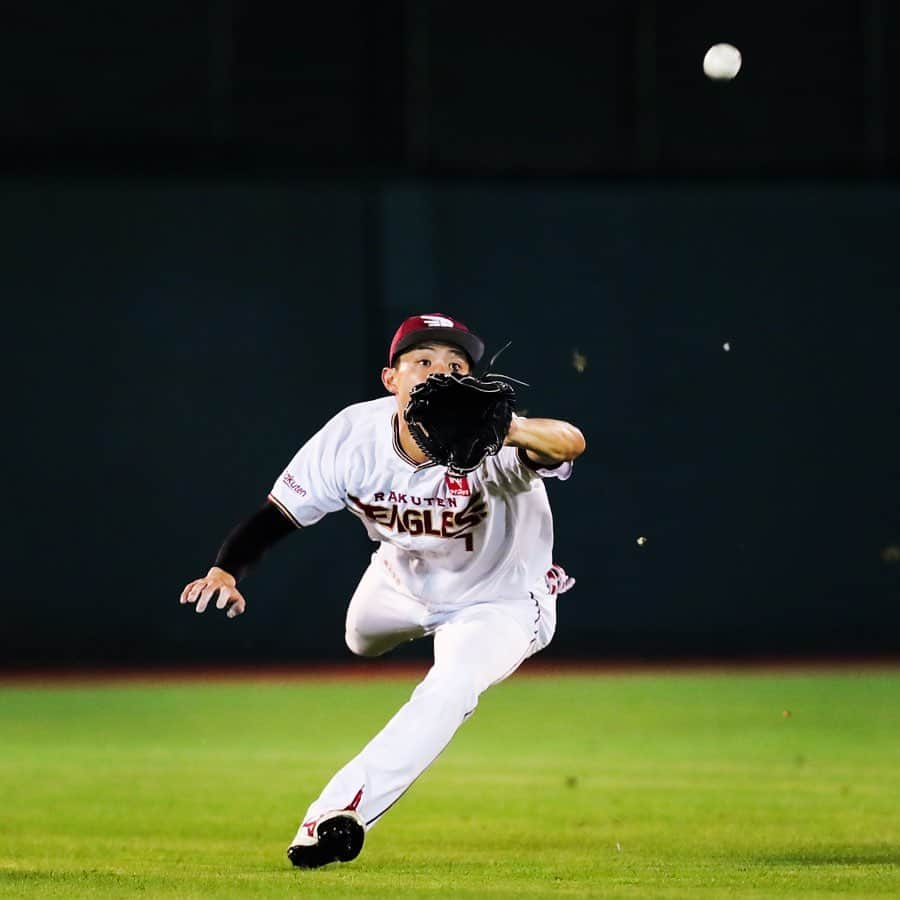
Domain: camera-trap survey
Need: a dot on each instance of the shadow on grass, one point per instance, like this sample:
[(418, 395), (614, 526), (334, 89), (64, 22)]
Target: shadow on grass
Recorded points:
[(35, 877), (832, 856)]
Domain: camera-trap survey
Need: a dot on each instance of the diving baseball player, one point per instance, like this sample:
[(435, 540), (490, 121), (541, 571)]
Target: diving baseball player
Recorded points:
[(464, 555)]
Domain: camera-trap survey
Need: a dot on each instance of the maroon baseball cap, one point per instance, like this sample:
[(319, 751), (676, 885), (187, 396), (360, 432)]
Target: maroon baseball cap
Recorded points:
[(435, 327)]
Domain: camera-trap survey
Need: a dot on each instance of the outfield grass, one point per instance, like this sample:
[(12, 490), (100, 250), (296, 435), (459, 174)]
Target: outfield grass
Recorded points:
[(635, 785)]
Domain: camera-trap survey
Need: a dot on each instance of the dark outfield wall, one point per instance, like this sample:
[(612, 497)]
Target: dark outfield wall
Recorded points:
[(169, 345)]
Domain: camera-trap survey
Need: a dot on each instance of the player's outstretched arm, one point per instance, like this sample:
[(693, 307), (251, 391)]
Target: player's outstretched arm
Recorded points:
[(242, 550), (547, 442), (219, 585)]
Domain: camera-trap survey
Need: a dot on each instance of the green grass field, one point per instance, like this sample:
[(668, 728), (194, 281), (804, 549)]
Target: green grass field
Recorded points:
[(667, 785)]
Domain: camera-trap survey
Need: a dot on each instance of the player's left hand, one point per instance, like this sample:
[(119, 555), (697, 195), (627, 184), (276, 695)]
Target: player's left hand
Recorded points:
[(458, 420), (217, 585)]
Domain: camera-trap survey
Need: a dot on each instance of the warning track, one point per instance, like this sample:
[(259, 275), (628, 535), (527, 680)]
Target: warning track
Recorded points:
[(405, 671)]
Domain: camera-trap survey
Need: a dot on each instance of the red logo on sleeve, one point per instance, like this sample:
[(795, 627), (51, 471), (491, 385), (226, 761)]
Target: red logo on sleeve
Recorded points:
[(458, 485)]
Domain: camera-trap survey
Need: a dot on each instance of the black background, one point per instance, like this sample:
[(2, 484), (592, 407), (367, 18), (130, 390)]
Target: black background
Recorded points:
[(213, 216)]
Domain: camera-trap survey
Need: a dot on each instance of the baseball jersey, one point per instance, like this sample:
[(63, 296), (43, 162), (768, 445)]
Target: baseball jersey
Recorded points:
[(445, 539)]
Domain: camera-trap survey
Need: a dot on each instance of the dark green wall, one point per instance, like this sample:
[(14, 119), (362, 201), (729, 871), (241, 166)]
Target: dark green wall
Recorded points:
[(170, 344)]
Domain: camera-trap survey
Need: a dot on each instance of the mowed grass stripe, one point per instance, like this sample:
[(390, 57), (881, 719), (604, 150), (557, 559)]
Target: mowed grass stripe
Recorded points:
[(712, 785)]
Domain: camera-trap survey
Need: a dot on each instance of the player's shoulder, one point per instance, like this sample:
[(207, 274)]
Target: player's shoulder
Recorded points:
[(361, 419), (358, 438), (374, 411)]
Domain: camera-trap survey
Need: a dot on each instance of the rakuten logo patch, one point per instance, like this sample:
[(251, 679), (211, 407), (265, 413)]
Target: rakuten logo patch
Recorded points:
[(288, 479)]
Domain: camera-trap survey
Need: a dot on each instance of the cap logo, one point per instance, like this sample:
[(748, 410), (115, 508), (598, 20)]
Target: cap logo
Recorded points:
[(437, 322)]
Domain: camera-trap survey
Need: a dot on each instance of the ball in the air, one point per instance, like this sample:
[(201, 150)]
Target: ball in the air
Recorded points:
[(722, 62)]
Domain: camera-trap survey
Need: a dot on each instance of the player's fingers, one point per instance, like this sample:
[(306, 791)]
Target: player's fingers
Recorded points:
[(208, 593), (191, 591), (225, 594), (238, 605)]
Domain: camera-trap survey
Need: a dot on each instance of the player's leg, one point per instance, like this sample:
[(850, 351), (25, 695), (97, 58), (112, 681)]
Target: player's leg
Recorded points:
[(380, 617), (474, 648)]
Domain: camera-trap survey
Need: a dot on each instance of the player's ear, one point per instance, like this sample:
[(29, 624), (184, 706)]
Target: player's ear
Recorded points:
[(389, 379)]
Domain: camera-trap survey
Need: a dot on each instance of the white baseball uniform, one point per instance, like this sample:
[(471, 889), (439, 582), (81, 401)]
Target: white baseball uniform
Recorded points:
[(463, 558)]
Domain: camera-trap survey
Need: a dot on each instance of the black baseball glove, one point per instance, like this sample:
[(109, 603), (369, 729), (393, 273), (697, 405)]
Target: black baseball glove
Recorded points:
[(458, 420)]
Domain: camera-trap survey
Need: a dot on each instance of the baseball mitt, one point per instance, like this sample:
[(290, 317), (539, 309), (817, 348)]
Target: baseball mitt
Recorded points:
[(458, 420)]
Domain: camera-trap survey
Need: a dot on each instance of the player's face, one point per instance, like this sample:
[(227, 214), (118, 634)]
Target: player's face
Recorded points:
[(415, 365)]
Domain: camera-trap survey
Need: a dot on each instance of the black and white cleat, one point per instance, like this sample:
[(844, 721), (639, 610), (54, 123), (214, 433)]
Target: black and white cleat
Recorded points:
[(334, 837)]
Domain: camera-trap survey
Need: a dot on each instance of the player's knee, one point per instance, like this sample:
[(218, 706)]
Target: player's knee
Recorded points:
[(360, 646)]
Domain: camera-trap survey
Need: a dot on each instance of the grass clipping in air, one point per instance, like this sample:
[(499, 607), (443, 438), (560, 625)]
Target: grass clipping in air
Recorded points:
[(742, 785)]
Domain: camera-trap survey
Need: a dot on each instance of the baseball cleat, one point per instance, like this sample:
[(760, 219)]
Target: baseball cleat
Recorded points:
[(334, 837)]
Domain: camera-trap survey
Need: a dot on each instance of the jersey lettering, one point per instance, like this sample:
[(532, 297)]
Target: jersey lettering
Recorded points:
[(394, 497), (288, 480), (420, 521)]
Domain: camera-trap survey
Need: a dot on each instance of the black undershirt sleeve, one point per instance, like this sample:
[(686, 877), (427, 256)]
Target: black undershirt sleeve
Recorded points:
[(245, 546)]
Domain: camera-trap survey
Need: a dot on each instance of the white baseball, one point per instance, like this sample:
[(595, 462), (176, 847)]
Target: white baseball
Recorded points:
[(722, 62)]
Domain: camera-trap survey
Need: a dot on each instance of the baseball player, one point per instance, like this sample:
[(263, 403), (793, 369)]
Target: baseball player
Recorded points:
[(465, 556)]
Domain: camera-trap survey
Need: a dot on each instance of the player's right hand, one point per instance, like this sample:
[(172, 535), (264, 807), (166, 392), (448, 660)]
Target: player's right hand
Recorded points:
[(217, 585)]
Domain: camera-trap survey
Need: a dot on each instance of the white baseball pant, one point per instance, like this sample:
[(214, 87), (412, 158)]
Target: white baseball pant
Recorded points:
[(475, 647)]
